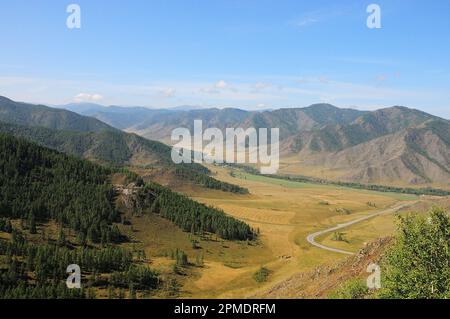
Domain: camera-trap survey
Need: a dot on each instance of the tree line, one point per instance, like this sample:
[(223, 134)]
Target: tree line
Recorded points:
[(195, 217), (207, 181), (372, 187)]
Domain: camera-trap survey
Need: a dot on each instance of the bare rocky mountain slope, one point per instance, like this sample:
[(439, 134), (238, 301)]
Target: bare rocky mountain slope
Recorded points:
[(391, 145)]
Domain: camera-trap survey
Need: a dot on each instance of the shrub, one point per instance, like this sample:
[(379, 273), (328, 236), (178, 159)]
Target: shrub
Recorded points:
[(418, 265), (352, 289), (261, 275)]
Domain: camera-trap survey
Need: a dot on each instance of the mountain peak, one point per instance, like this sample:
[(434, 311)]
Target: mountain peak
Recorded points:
[(325, 113), (322, 106), (5, 99), (404, 112)]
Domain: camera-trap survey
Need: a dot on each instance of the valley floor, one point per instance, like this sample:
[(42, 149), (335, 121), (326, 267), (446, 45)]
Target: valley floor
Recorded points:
[(284, 213)]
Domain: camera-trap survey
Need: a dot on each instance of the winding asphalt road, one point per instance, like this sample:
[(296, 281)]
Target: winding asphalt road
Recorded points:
[(311, 237)]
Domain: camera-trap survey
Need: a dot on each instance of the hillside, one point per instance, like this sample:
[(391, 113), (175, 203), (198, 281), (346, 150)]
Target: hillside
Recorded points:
[(108, 146), (38, 184), (41, 184), (393, 145), (396, 145), (118, 117), (82, 136), (369, 126), (89, 138), (159, 124), (324, 280), (413, 155), (57, 210), (40, 115)]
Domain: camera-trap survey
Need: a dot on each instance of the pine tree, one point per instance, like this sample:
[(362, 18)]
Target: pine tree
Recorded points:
[(32, 224), (111, 293), (90, 293), (132, 292), (61, 238)]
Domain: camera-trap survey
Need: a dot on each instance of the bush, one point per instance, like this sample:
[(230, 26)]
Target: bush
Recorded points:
[(352, 289), (261, 275), (139, 277), (418, 265)]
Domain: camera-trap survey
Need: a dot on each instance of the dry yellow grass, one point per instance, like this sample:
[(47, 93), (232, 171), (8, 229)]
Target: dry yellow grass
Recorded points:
[(285, 213), (363, 233)]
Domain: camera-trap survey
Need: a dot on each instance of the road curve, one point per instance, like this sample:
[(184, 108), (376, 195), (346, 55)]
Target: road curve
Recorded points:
[(311, 238)]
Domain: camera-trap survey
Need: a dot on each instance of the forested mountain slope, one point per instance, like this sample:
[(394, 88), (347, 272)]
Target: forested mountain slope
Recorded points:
[(41, 189), (393, 145), (40, 115), (91, 139)]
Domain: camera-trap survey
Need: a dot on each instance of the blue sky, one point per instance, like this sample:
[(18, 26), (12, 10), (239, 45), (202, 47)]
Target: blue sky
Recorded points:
[(251, 54)]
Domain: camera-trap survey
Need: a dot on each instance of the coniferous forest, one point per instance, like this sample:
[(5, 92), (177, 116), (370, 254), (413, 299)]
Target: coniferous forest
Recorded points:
[(194, 217), (112, 147), (39, 185)]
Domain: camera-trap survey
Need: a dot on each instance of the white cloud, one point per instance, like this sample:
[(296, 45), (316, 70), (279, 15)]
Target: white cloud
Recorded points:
[(88, 97), (305, 22), (168, 92), (217, 87), (318, 16), (221, 84)]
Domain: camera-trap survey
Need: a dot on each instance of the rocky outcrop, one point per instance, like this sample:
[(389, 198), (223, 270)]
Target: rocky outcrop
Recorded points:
[(319, 282), (134, 198)]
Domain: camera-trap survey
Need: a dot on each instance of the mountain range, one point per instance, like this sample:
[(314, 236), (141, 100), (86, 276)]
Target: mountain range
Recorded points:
[(89, 138), (392, 145)]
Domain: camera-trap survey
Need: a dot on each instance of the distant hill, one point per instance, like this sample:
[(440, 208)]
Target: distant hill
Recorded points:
[(108, 146), (186, 108), (158, 124), (368, 126), (391, 145), (91, 139), (117, 116), (416, 155), (40, 115), (383, 146)]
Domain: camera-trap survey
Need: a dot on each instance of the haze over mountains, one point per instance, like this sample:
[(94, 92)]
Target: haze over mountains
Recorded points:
[(391, 145)]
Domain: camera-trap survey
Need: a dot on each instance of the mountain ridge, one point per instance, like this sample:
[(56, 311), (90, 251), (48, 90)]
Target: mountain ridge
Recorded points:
[(92, 139), (40, 115), (394, 144)]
